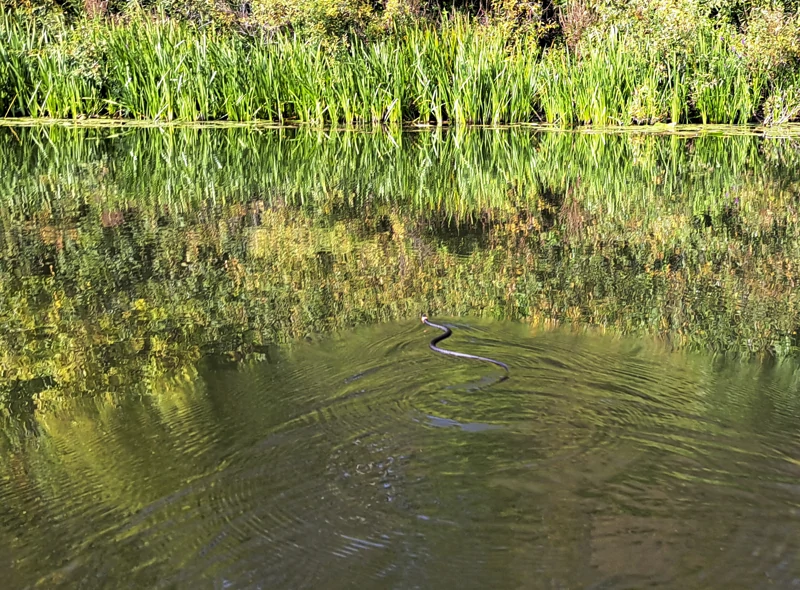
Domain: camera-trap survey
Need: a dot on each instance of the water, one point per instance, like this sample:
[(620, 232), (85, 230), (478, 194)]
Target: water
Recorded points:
[(214, 374), (365, 459)]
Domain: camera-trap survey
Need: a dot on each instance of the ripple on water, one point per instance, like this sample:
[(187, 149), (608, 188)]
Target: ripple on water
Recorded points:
[(367, 460)]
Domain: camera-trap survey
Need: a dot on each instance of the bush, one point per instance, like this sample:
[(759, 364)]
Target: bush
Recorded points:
[(772, 39), (330, 19), (42, 7), (783, 105), (575, 18)]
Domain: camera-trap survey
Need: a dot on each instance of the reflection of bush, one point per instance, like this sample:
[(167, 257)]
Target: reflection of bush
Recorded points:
[(117, 269)]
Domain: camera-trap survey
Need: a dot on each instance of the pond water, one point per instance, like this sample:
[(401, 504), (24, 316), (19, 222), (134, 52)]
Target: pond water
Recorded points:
[(214, 373)]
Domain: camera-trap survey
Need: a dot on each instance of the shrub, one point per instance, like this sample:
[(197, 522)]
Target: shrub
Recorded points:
[(329, 19), (772, 39), (402, 10), (533, 20), (41, 7), (783, 105), (218, 13), (575, 18)]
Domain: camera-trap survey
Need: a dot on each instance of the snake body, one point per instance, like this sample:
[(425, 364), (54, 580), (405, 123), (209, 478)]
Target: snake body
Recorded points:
[(447, 333)]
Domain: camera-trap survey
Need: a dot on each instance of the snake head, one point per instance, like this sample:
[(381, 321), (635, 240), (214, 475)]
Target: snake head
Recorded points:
[(423, 318)]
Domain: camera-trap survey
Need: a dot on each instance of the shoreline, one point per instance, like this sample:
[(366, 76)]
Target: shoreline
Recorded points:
[(679, 130)]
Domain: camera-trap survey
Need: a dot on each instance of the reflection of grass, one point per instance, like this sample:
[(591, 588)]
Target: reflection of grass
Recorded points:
[(132, 256), (680, 130), (461, 173)]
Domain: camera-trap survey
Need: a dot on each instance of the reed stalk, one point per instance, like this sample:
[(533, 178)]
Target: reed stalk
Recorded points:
[(458, 72)]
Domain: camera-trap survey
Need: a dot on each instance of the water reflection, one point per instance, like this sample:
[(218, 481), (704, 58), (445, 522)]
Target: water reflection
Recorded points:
[(129, 254), (213, 373), (606, 462)]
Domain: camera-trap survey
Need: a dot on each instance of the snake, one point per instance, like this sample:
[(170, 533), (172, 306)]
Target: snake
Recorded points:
[(447, 333)]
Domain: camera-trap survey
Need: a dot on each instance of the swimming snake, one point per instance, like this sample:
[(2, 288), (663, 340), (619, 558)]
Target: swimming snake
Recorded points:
[(447, 333)]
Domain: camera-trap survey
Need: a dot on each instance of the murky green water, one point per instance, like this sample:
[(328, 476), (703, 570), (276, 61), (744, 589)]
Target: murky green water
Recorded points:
[(213, 372)]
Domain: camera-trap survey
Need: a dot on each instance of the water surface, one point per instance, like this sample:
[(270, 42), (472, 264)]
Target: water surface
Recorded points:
[(212, 371), (366, 460)]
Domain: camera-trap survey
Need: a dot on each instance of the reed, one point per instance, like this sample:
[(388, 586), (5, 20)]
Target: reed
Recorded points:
[(457, 72)]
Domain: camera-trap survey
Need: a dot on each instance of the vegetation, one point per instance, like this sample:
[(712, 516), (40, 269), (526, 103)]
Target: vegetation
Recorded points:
[(128, 255), (351, 61)]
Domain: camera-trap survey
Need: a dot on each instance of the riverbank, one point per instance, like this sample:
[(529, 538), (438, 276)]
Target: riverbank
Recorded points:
[(457, 70), (785, 130)]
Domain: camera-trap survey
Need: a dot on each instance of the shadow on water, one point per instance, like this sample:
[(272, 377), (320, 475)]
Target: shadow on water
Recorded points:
[(214, 375)]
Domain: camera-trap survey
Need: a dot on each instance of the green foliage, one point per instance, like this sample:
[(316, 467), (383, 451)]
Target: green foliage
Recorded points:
[(42, 8), (322, 19), (772, 39), (165, 71), (723, 88), (668, 62), (783, 104), (50, 70), (608, 83), (675, 19)]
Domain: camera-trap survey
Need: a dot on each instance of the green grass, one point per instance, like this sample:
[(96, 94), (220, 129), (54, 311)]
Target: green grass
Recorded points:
[(458, 72)]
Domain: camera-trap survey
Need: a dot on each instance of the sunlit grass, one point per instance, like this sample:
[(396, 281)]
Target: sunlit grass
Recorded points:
[(457, 72)]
